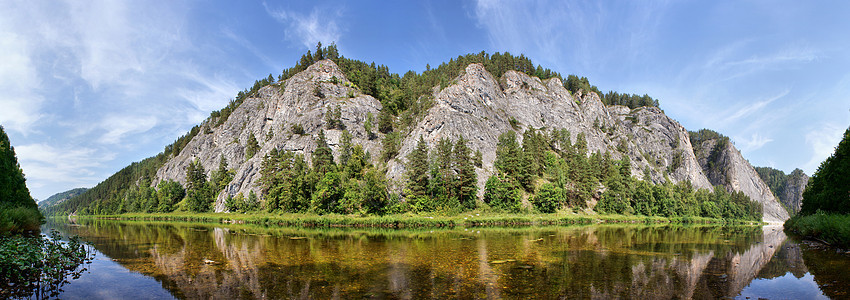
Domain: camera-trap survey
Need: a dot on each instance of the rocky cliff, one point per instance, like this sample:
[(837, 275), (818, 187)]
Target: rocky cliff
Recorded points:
[(792, 194), (724, 165), (476, 106), (788, 189)]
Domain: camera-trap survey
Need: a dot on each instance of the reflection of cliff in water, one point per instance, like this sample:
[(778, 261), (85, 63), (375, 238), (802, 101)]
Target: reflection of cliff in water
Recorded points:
[(648, 262)]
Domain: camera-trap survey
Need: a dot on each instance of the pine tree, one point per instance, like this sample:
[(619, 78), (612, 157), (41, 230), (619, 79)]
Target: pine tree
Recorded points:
[(417, 170), (199, 194), (345, 148), (253, 146), (443, 165), (464, 183), (323, 159)]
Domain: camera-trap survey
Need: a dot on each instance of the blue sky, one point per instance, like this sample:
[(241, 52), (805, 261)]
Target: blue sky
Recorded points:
[(91, 86)]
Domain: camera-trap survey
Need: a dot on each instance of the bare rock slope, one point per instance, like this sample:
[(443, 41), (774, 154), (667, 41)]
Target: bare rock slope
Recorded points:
[(476, 106)]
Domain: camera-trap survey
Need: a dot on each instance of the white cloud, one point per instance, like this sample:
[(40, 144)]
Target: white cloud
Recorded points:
[(18, 81), (319, 26), (118, 127), (749, 109), (823, 141), (92, 74), (70, 166), (755, 142)]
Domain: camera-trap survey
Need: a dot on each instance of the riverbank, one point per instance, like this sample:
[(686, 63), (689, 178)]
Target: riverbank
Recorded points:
[(409, 220), (832, 229)]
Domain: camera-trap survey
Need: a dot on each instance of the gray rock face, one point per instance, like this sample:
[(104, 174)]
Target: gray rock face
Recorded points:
[(304, 99), (792, 193), (476, 106), (724, 165)]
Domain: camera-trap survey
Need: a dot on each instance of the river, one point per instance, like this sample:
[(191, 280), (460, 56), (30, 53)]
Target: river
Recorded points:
[(158, 260)]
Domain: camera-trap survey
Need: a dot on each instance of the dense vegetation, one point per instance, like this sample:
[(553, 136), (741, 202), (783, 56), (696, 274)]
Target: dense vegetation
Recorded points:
[(826, 201), (18, 211), (553, 173), (289, 184), (59, 197)]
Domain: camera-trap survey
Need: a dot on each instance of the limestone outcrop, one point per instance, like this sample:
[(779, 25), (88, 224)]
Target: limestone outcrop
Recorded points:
[(476, 106)]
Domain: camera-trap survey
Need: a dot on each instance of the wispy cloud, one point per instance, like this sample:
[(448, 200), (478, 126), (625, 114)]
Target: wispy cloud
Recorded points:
[(320, 25), (822, 141), (753, 143), (18, 81), (71, 166), (98, 74), (749, 109)]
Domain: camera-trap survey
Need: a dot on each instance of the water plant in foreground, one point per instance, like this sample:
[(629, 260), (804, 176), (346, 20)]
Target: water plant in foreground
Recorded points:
[(38, 266)]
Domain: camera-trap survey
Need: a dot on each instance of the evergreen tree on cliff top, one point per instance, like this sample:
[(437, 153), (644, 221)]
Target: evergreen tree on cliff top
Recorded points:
[(18, 210), (829, 187)]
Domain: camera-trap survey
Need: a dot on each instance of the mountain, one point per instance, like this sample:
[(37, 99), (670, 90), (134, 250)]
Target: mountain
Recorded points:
[(473, 103), (788, 188), (59, 197)]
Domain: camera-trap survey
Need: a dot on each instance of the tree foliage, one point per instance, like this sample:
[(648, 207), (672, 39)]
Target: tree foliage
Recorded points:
[(18, 210)]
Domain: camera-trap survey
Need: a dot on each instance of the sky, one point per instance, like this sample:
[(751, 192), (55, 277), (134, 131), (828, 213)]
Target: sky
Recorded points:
[(90, 86)]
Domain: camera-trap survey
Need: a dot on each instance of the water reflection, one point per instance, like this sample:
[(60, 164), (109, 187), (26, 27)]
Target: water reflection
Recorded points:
[(611, 261)]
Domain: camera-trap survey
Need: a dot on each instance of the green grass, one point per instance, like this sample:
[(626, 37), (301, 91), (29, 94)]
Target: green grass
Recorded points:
[(412, 220), (833, 229)]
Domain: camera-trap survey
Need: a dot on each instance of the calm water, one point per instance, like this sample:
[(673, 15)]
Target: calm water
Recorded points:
[(161, 260)]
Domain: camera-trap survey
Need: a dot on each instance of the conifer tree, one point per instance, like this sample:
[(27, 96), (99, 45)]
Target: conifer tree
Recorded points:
[(199, 195), (323, 159), (417, 169), (253, 146), (464, 183)]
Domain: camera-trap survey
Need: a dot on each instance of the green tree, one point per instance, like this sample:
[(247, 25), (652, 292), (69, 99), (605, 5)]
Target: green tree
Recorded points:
[(511, 161), (169, 194), (385, 121), (199, 193), (221, 176), (549, 198), (417, 170), (501, 194), (465, 180), (18, 210), (323, 159), (252, 147), (367, 126)]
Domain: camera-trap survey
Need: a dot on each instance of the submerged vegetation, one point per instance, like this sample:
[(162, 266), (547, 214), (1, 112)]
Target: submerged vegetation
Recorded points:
[(825, 214), (38, 266)]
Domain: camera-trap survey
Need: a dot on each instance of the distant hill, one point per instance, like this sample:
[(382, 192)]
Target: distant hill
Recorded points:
[(60, 197)]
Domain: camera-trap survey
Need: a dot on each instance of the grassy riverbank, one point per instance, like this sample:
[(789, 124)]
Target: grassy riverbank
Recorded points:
[(469, 219), (833, 229)]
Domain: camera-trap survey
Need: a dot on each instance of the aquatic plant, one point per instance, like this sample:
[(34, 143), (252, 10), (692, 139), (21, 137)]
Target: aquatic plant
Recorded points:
[(38, 266)]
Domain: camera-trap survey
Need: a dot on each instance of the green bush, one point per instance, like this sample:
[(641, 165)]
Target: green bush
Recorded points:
[(501, 195)]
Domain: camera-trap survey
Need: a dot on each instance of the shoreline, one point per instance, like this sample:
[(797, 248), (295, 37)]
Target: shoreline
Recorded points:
[(832, 230), (410, 220)]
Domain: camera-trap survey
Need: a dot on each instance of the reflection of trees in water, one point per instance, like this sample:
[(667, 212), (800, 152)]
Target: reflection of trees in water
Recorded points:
[(586, 262), (829, 268)]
